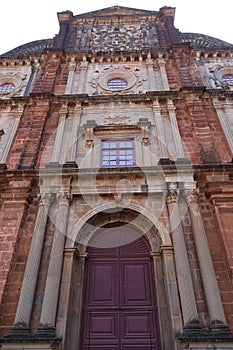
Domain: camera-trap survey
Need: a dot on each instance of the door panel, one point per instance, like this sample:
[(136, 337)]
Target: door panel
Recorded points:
[(136, 288), (119, 310), (102, 286)]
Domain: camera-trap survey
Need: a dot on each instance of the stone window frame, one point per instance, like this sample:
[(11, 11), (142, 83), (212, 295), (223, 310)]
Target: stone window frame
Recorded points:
[(228, 78), (14, 79), (117, 148), (6, 88), (220, 72), (128, 77)]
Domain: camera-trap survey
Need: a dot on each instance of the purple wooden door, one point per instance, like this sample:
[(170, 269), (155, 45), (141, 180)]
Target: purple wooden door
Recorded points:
[(119, 306)]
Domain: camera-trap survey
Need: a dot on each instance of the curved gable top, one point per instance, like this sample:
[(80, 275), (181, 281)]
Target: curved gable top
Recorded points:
[(204, 41), (35, 48)]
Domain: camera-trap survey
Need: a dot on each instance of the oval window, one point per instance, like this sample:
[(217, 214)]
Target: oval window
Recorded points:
[(6, 88), (117, 84), (228, 79)]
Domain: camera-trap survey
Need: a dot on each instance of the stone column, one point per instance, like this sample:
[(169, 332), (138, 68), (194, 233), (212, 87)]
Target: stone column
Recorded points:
[(175, 130), (70, 299), (209, 281), (163, 73), (74, 134), (187, 297), (160, 130), (167, 295), (52, 286), (17, 115), (24, 308), (59, 135)]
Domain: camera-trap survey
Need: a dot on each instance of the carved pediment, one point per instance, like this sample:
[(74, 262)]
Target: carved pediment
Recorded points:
[(117, 10)]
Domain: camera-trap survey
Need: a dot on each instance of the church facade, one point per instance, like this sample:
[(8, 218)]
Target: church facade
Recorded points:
[(116, 143)]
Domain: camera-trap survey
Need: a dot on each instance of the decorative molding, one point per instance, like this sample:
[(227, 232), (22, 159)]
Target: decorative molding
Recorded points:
[(117, 119)]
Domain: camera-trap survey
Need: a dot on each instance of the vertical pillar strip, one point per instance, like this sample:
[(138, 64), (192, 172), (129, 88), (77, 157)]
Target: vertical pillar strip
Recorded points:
[(59, 135), (163, 73), (160, 129), (74, 132), (175, 130)]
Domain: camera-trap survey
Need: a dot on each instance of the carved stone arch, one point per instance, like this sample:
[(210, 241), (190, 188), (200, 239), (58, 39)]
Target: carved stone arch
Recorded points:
[(142, 218), (126, 218)]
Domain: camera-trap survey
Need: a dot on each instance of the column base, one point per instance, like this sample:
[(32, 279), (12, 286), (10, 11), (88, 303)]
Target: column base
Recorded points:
[(21, 333), (220, 330), (3, 166), (46, 332), (193, 326), (195, 332), (54, 165), (182, 161), (67, 165), (70, 165), (166, 161)]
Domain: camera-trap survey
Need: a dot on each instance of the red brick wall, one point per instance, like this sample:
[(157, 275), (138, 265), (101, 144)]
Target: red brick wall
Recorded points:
[(17, 219), (24, 150), (200, 129)]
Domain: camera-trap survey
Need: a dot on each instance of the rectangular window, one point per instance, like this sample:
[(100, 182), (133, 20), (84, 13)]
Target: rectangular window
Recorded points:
[(117, 153)]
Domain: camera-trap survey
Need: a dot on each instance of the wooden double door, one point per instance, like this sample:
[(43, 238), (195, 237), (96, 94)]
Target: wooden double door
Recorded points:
[(119, 304)]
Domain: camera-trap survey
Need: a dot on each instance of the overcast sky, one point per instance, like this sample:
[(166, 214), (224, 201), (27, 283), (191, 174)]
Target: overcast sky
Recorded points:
[(23, 21)]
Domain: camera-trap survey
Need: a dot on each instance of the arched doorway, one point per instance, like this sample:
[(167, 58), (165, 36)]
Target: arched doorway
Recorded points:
[(119, 302)]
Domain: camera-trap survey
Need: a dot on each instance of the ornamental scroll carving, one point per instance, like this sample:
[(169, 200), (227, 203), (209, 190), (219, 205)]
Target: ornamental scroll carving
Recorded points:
[(109, 36), (117, 120), (120, 37)]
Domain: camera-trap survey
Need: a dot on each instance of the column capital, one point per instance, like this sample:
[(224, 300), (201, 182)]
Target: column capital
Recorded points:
[(45, 199), (17, 110), (64, 109), (170, 105), (172, 196), (191, 196), (64, 198), (156, 104)]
